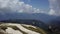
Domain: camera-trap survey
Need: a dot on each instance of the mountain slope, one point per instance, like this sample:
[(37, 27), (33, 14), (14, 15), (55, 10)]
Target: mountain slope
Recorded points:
[(11, 28)]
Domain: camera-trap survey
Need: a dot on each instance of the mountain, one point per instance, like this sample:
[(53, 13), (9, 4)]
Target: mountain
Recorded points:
[(55, 25), (36, 16), (37, 23), (13, 28), (56, 21)]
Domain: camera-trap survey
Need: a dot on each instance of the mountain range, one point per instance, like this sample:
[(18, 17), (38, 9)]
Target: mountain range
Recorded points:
[(35, 16)]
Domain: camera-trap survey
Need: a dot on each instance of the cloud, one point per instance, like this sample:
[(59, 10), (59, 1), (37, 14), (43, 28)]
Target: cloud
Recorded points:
[(52, 12), (16, 6), (54, 7)]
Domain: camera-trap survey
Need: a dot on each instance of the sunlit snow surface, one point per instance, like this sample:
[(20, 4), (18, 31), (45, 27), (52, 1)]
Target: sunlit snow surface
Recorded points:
[(10, 30)]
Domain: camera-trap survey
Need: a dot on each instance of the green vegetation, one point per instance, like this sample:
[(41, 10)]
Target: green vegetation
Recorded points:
[(39, 30)]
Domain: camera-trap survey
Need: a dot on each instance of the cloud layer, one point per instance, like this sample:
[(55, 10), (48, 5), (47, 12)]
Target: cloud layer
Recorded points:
[(16, 6), (54, 7)]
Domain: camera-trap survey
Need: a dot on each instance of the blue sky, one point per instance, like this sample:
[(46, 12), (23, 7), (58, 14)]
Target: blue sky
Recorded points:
[(25, 6), (41, 4), (50, 7)]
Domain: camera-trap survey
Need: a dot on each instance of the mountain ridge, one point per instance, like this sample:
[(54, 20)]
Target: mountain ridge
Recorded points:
[(36, 16)]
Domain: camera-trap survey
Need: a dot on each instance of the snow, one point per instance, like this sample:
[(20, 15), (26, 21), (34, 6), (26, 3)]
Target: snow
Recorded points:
[(2, 31), (23, 29), (12, 31)]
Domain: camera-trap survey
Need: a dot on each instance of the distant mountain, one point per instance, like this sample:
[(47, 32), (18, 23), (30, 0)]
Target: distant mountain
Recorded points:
[(36, 16), (56, 21)]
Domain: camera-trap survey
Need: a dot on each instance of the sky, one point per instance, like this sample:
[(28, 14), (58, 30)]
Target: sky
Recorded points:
[(50, 7), (41, 4)]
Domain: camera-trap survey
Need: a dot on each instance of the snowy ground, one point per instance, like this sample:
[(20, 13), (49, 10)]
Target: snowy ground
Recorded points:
[(10, 30)]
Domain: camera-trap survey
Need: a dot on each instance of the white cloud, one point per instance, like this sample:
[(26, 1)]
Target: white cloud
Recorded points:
[(54, 7), (51, 12), (16, 6), (13, 6)]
